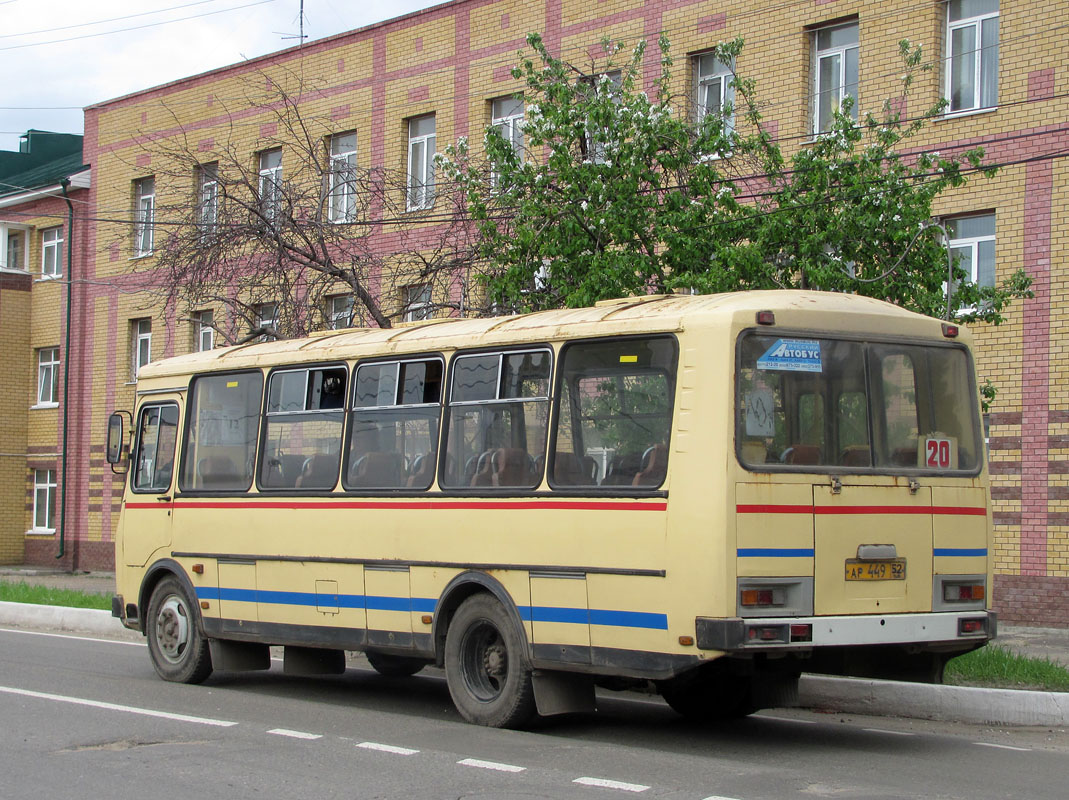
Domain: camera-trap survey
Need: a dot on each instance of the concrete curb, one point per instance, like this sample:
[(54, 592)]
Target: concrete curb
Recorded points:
[(928, 701), (849, 695), (88, 620)]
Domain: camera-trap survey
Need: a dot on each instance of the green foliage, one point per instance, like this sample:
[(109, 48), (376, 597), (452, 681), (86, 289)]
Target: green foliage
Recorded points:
[(22, 592), (620, 192), (993, 665)]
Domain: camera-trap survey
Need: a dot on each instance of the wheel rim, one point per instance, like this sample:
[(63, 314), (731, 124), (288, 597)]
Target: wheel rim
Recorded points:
[(172, 629), (485, 661)]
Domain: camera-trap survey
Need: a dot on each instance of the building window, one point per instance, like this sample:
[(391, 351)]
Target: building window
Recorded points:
[(506, 117), (144, 215), (12, 247), (714, 94), (340, 311), (44, 501), (271, 183), (416, 302), (835, 52), (208, 196), (342, 178), (972, 62), (421, 146), (48, 376), (141, 344), (267, 317), (52, 252), (205, 331), (972, 243)]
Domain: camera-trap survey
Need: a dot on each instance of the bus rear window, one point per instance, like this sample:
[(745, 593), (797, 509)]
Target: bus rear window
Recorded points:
[(816, 402)]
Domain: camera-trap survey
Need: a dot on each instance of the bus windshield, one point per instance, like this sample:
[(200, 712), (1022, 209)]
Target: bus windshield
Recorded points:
[(810, 401)]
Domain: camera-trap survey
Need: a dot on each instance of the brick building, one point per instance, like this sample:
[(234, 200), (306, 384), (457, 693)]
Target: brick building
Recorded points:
[(391, 93)]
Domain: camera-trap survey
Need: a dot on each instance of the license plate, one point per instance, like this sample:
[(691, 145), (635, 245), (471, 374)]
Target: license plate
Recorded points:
[(891, 569)]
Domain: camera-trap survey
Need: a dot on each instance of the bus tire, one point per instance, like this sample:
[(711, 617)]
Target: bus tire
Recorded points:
[(178, 649), (394, 666), (716, 698), (485, 667)]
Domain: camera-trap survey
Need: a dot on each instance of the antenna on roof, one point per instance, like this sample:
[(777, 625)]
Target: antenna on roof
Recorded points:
[(300, 17)]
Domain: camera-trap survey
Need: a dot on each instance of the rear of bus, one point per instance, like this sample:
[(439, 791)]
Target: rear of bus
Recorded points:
[(862, 526)]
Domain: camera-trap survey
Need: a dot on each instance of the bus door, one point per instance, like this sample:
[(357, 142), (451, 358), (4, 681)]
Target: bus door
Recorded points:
[(150, 501), (873, 549)]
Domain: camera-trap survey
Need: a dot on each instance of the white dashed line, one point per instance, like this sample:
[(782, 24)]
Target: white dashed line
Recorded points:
[(295, 734), (69, 636), (889, 733), (787, 719), (1004, 747), (474, 762), (387, 748), (145, 712), (719, 797), (605, 783)]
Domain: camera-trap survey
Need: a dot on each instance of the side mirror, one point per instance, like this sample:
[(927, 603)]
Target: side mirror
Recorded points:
[(115, 438)]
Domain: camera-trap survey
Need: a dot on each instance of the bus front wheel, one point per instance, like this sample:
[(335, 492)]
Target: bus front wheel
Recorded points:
[(178, 650), (485, 668)]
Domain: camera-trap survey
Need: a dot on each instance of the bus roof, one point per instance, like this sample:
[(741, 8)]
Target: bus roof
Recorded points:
[(646, 314)]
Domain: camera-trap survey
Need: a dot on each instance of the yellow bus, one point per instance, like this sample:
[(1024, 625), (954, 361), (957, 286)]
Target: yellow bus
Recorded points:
[(703, 495)]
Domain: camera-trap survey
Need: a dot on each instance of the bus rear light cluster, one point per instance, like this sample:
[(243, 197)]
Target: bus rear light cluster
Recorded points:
[(762, 597), (767, 634), (963, 592), (968, 627), (801, 633)]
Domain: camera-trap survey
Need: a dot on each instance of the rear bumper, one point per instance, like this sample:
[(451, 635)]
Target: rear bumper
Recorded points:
[(939, 630)]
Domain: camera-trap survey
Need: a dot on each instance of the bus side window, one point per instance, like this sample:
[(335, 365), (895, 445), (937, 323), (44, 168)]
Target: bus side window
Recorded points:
[(219, 446)]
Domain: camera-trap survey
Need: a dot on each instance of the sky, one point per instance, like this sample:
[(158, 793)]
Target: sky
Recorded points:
[(59, 56)]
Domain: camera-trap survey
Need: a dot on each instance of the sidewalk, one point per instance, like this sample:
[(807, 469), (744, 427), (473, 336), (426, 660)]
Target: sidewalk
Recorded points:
[(850, 695)]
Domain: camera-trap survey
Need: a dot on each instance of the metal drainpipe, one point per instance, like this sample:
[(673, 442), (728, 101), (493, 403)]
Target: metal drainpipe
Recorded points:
[(66, 369)]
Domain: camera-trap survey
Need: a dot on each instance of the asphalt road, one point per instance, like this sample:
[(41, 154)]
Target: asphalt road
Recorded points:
[(87, 718)]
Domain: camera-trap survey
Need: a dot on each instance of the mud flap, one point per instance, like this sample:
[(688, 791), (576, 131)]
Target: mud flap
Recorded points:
[(562, 693)]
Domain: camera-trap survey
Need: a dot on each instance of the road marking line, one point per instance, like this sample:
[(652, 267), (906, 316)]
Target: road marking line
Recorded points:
[(605, 783), (474, 762), (146, 712), (295, 734), (68, 636), (388, 748), (719, 797), (1004, 747), (786, 719), (889, 733)]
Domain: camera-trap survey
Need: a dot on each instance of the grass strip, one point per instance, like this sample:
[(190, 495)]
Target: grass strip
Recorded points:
[(22, 592), (998, 667)]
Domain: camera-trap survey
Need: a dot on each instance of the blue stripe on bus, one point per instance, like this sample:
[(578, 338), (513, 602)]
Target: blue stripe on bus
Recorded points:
[(775, 552), (595, 616), (960, 551)]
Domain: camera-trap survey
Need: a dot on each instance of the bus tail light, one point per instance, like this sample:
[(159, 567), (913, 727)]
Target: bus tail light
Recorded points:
[(766, 318), (764, 597), (967, 627), (767, 634), (963, 592), (801, 633)]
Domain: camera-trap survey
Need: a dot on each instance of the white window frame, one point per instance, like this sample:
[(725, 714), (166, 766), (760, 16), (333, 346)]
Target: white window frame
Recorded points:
[(208, 196), (141, 344), (7, 231), (976, 22), (270, 183), (47, 377), (843, 54), (144, 215), (972, 244), (267, 315), (421, 149), (341, 197), (44, 489), (508, 122), (416, 302), (205, 331), (52, 252), (711, 75), (340, 311)]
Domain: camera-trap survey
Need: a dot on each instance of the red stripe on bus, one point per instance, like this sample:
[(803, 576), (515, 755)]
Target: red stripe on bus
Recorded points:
[(960, 511), (413, 505)]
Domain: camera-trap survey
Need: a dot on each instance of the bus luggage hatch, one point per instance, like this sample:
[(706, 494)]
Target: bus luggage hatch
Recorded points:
[(873, 549)]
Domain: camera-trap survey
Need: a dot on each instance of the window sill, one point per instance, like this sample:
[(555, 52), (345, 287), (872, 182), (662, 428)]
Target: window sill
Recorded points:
[(967, 112), (41, 532), (14, 271), (139, 256), (44, 405), (47, 278)]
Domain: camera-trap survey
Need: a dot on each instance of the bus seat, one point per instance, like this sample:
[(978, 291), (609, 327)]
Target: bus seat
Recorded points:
[(482, 474), (802, 454), (568, 470), (511, 467), (623, 469), (218, 472), (421, 471), (855, 455), (754, 453), (654, 467), (378, 469), (319, 472)]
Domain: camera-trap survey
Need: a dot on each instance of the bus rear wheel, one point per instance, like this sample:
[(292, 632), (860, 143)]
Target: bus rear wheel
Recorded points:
[(485, 667), (394, 666), (178, 650)]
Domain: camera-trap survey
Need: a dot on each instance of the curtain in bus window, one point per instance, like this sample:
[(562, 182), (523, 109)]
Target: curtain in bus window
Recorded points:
[(219, 450), (498, 420), (615, 413), (393, 441), (157, 437), (303, 429)]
